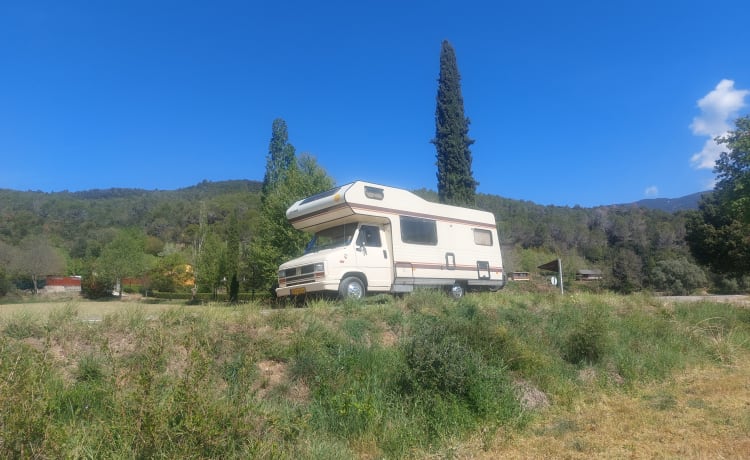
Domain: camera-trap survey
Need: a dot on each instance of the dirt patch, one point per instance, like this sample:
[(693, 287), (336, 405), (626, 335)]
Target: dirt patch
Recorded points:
[(388, 338), (120, 344), (274, 379), (530, 397)]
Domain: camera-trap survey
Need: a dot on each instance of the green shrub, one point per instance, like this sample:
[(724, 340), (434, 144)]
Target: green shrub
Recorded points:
[(677, 276), (442, 360), (96, 287), (439, 361), (588, 339)]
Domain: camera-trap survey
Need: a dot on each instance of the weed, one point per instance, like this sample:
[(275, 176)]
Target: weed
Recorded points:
[(90, 369), (23, 325), (61, 317), (722, 341)]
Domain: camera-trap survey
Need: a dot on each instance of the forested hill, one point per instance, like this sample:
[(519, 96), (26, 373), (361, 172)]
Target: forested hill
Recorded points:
[(627, 242), (78, 220)]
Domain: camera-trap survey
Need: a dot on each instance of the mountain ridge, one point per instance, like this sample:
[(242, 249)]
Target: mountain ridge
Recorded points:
[(683, 203)]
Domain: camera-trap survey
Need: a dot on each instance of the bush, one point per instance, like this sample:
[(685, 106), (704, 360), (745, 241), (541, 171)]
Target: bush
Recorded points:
[(441, 360), (588, 341), (96, 287), (677, 277)]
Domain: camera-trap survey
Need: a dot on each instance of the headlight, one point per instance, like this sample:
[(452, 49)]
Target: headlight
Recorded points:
[(319, 267)]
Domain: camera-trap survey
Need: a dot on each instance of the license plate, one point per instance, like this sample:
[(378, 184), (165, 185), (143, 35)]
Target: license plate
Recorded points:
[(298, 291)]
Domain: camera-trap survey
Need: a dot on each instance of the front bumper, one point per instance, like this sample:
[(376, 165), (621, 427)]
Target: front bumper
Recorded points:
[(303, 289)]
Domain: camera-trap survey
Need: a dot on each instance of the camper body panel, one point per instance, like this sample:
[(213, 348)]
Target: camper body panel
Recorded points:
[(392, 240)]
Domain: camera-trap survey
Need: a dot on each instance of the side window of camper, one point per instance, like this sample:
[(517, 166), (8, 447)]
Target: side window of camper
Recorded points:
[(369, 236), (418, 231), (482, 237)]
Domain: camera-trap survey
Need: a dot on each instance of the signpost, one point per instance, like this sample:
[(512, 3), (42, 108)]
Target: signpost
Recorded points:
[(554, 266)]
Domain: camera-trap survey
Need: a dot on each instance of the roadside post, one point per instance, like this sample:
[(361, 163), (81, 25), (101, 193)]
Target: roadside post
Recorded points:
[(555, 266)]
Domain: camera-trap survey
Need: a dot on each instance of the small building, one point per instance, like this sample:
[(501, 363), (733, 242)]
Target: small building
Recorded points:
[(589, 275), (520, 276), (62, 284)]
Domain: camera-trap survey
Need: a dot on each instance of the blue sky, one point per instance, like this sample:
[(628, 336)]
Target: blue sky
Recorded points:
[(571, 103)]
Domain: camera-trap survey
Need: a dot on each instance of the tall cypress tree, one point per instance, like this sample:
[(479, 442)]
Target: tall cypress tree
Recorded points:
[(233, 254), (456, 184), (280, 157)]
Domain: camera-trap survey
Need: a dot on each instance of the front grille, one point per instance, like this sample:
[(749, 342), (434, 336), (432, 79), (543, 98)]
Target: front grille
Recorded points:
[(299, 275)]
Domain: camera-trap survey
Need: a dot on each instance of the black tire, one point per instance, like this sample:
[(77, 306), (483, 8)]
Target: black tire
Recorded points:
[(457, 291), (351, 287)]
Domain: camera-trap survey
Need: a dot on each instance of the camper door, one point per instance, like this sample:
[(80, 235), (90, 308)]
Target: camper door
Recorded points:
[(373, 256)]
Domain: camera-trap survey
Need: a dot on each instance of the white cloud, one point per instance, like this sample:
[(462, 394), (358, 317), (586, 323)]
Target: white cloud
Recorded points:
[(652, 191), (718, 110)]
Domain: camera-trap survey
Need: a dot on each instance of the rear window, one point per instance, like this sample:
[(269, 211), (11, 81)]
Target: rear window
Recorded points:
[(482, 237)]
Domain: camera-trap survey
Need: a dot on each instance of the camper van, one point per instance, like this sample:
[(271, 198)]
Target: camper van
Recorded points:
[(370, 238)]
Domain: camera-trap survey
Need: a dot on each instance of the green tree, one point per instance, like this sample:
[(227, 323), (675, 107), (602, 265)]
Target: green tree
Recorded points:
[(276, 240), (234, 289), (627, 271), (280, 156), (124, 257), (211, 264), (37, 258), (733, 171), (7, 255), (456, 184), (719, 234)]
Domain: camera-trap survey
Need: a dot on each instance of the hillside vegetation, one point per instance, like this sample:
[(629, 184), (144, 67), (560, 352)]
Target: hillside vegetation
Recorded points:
[(493, 375), (635, 248)]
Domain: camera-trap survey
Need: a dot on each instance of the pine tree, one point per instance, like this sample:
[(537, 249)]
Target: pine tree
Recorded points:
[(456, 184), (280, 157)]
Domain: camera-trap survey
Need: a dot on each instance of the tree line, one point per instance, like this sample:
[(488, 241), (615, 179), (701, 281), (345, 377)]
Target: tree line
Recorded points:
[(226, 230)]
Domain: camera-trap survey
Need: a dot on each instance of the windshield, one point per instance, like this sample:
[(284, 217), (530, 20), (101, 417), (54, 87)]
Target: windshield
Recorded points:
[(332, 237)]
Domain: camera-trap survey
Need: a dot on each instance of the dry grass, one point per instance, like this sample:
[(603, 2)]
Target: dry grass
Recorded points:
[(700, 413), (87, 309)]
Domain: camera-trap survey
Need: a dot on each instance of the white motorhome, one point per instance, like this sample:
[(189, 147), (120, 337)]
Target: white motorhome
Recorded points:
[(373, 238)]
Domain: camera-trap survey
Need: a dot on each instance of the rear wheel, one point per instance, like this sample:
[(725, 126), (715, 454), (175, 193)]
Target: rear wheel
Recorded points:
[(457, 291), (351, 287)]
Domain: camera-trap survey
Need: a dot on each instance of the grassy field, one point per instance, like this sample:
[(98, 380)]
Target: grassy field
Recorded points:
[(493, 375)]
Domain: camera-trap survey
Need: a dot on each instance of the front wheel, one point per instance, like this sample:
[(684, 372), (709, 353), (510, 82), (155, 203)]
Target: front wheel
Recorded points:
[(351, 288)]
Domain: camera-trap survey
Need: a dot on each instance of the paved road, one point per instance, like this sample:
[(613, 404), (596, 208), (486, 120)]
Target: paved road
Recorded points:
[(742, 299)]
